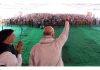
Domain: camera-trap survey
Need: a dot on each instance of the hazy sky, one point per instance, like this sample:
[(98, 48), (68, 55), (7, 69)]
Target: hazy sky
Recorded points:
[(9, 8)]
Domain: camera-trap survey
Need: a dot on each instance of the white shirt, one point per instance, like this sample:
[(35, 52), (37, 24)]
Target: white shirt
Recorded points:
[(9, 59)]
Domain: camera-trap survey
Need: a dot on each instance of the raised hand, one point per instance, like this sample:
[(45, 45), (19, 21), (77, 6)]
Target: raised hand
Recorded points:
[(19, 47), (66, 18)]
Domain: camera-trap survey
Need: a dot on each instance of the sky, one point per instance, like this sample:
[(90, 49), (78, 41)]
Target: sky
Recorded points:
[(10, 8)]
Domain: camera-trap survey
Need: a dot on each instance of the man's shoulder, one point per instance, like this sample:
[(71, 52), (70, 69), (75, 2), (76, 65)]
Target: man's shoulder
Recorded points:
[(36, 45), (34, 48), (6, 53)]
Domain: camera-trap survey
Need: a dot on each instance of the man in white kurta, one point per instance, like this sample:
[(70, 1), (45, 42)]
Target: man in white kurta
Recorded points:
[(48, 51), (9, 56)]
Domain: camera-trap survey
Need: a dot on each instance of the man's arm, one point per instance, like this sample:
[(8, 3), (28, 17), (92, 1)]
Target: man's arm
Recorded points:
[(19, 60), (60, 41), (19, 55), (31, 59)]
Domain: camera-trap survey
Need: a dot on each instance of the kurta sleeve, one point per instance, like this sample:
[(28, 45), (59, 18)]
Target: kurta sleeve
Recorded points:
[(60, 41)]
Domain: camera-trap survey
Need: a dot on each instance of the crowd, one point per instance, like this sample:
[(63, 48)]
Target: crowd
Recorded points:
[(44, 19)]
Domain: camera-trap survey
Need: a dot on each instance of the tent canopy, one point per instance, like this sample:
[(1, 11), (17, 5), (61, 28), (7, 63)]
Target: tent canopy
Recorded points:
[(14, 7)]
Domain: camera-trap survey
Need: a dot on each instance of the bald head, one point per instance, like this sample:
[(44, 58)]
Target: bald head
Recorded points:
[(48, 30)]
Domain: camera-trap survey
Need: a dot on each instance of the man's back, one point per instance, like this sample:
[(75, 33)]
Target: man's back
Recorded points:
[(46, 53)]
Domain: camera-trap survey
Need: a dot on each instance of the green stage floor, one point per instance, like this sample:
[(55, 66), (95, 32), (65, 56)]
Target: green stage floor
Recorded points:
[(81, 49)]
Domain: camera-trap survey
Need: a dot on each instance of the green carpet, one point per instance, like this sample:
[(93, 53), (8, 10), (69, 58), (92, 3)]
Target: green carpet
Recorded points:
[(81, 49)]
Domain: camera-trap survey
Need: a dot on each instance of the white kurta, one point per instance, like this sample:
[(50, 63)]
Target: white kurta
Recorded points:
[(9, 59), (48, 51)]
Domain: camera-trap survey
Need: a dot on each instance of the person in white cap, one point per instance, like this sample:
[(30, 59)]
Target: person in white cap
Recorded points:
[(48, 51), (9, 56)]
